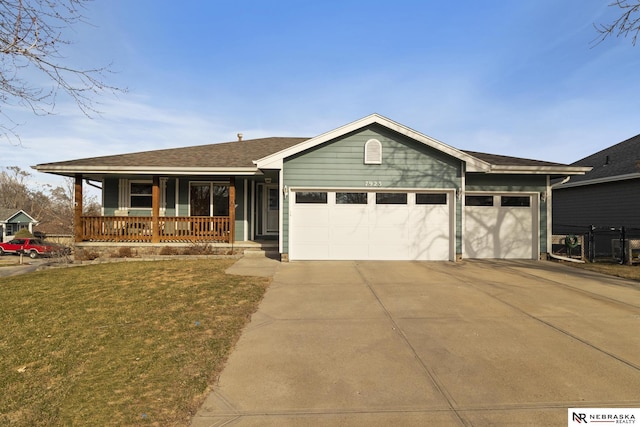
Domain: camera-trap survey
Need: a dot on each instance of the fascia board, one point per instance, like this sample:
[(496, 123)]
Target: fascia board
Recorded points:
[(274, 161), (599, 180), (164, 170)]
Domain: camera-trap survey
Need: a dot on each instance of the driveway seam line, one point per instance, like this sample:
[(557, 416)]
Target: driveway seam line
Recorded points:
[(573, 288), (432, 376), (558, 329)]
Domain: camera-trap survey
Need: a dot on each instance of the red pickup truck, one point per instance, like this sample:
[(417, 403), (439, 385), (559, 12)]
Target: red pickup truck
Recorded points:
[(32, 247)]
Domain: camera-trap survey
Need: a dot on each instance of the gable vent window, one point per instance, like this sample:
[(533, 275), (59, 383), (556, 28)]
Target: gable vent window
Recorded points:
[(373, 152)]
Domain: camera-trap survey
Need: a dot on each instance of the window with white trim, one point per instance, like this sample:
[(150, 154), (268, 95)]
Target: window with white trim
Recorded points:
[(140, 194)]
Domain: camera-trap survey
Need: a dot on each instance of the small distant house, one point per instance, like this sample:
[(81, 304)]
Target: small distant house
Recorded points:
[(372, 189), (606, 196), (14, 220)]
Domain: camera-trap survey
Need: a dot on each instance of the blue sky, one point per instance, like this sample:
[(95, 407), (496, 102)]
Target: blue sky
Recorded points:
[(519, 78)]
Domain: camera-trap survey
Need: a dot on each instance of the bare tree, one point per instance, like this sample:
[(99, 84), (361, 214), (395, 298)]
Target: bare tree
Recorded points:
[(53, 207), (32, 38), (626, 25), (59, 218)]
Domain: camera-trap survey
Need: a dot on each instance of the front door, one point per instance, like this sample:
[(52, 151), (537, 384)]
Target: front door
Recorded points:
[(271, 209)]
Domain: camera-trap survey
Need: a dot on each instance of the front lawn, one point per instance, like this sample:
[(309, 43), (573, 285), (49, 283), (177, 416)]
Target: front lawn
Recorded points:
[(131, 343)]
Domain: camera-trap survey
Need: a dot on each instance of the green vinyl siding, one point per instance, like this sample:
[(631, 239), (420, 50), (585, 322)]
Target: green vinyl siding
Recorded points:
[(507, 182), (405, 163), (340, 164)]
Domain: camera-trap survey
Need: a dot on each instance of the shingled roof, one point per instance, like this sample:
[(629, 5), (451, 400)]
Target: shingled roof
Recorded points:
[(498, 160), (619, 160), (238, 154), (225, 157)]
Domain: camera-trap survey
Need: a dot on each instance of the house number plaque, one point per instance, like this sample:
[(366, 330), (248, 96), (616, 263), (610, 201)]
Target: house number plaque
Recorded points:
[(373, 183)]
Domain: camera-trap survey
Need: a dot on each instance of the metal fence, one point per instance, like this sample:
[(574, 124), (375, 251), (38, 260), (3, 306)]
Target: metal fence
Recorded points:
[(618, 244)]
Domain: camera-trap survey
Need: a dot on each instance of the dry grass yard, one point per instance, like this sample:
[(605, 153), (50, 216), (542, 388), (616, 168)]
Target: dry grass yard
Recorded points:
[(133, 343)]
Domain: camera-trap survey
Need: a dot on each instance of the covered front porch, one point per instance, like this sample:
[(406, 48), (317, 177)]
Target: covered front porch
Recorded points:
[(157, 228), (179, 210)]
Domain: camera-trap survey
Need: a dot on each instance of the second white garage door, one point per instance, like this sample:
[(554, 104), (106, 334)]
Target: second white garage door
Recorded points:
[(500, 226), (360, 225)]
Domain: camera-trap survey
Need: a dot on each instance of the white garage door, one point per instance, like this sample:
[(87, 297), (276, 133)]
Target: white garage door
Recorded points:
[(500, 226), (352, 225)]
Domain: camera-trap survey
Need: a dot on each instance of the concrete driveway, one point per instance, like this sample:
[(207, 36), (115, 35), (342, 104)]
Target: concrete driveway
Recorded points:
[(427, 343)]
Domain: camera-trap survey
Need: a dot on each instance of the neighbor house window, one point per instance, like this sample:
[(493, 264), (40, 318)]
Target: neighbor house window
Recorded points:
[(351, 198), (140, 193), (391, 198), (478, 200), (431, 199), (311, 197)]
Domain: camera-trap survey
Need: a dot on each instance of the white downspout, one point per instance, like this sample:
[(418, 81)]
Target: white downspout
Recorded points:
[(549, 201)]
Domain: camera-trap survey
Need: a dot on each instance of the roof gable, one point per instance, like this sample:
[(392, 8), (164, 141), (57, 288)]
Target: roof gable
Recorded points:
[(15, 215), (474, 161), (275, 160)]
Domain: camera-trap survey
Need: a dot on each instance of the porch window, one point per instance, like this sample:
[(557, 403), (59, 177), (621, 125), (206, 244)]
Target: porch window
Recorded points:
[(220, 200), (209, 199), (140, 194)]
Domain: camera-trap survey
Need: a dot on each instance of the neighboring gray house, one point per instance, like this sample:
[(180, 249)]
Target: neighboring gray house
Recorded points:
[(369, 190), (14, 220), (607, 196)]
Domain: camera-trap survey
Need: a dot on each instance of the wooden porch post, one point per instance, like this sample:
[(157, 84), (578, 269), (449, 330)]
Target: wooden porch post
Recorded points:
[(78, 231), (155, 210), (232, 210)]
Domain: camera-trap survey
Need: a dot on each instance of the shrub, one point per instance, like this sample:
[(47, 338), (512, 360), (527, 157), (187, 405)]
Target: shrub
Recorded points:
[(198, 248), (125, 252), (24, 233), (168, 250), (84, 255)]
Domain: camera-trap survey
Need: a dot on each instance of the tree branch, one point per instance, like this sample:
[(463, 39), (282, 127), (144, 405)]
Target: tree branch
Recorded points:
[(31, 36), (626, 25)]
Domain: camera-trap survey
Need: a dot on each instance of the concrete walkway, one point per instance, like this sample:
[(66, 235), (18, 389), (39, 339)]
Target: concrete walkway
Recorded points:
[(427, 343)]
